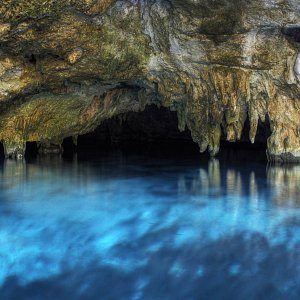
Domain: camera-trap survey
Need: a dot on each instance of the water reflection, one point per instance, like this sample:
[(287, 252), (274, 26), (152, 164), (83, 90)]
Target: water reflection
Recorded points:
[(210, 179), (138, 228), (285, 183)]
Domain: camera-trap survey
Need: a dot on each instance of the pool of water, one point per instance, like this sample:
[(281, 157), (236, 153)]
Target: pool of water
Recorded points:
[(141, 228)]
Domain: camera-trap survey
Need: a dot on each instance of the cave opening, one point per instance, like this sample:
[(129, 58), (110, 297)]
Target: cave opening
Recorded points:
[(31, 58), (154, 130)]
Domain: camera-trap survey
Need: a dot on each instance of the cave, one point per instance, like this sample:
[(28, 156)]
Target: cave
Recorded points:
[(149, 149), (154, 131)]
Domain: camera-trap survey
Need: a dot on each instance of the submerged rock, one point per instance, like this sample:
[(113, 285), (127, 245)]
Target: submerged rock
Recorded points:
[(66, 66)]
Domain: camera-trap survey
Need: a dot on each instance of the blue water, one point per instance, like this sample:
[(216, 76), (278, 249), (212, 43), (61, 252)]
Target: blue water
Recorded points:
[(142, 228)]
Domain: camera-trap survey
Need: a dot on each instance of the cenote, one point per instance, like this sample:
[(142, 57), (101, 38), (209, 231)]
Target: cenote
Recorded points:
[(152, 222), (149, 150)]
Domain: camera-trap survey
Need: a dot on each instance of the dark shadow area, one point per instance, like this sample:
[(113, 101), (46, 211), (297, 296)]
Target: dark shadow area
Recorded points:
[(293, 32), (69, 147), (153, 131), (31, 149), (151, 125), (1, 151), (31, 58)]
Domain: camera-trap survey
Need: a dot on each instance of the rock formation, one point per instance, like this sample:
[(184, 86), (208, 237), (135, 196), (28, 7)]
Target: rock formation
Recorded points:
[(68, 65)]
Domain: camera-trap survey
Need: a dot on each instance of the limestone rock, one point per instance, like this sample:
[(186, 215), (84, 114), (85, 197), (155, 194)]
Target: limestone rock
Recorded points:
[(65, 66)]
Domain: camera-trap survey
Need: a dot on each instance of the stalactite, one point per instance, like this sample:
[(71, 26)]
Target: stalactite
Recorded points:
[(64, 71)]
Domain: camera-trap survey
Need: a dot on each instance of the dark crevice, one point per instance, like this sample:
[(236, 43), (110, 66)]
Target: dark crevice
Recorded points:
[(31, 58), (1, 151), (34, 58), (49, 54), (292, 31)]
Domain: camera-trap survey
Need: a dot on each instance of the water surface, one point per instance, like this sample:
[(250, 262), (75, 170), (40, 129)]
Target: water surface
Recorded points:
[(141, 228)]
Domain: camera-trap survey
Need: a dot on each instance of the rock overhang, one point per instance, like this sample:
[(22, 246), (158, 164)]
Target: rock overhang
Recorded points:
[(216, 63)]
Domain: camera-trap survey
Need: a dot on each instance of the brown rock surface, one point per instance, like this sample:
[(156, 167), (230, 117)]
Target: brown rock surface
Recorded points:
[(65, 66)]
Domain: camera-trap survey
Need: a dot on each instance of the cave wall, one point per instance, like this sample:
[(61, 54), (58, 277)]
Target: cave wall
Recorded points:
[(68, 65)]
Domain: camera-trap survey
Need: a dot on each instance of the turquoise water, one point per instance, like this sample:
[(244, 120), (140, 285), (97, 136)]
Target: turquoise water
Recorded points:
[(142, 228)]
